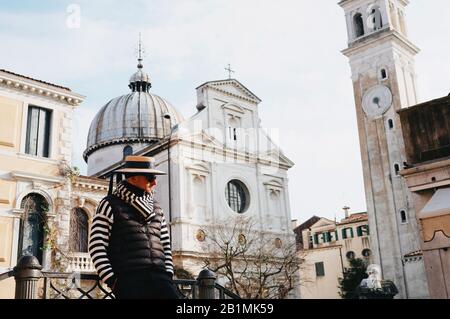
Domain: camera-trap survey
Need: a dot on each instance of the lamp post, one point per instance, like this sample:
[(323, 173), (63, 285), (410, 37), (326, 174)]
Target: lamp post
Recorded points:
[(167, 117)]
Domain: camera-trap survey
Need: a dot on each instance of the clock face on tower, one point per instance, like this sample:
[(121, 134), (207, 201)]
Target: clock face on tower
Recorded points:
[(376, 101)]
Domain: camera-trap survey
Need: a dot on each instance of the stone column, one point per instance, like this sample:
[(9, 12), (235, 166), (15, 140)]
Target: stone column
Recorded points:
[(27, 273), (206, 282)]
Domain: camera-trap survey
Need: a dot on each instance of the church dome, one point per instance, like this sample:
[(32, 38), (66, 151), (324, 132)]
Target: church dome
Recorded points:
[(137, 117)]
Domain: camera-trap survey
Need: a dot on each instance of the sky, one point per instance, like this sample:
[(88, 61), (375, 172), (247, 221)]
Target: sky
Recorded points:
[(287, 52)]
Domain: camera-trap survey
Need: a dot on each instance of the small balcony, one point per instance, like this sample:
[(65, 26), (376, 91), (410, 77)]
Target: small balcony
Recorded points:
[(80, 262)]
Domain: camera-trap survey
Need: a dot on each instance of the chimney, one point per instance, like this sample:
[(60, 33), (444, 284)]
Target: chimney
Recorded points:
[(346, 209), (294, 223)]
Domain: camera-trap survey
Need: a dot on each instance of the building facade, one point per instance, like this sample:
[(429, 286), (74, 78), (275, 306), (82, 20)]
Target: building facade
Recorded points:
[(35, 151), (426, 131), (384, 81), (220, 162), (327, 248), (220, 165)]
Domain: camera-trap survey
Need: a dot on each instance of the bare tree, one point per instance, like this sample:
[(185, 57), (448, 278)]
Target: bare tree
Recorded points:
[(254, 263)]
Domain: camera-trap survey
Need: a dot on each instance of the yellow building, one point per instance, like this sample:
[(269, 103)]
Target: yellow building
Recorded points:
[(35, 154), (326, 247)]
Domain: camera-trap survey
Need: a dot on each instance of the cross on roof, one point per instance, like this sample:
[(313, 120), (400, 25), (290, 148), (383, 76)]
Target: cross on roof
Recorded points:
[(230, 70), (140, 52)]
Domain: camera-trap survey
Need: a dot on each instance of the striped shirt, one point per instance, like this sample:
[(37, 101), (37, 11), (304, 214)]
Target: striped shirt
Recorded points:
[(102, 225)]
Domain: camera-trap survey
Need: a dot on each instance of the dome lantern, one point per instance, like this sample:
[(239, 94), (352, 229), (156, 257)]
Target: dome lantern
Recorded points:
[(140, 81)]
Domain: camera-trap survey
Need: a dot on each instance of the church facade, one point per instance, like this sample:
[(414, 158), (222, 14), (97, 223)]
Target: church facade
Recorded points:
[(220, 162), (384, 81)]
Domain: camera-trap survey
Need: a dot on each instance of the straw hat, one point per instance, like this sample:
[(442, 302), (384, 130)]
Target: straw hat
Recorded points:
[(140, 164)]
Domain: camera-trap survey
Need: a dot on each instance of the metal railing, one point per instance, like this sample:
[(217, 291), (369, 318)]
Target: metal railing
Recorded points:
[(33, 283)]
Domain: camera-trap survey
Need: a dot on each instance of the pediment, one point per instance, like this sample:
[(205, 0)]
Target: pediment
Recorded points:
[(199, 167), (233, 107), (234, 88), (202, 138), (270, 151), (274, 183), (276, 156), (323, 222)]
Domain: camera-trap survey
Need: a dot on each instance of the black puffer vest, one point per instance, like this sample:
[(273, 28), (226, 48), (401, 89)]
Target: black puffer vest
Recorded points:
[(134, 244)]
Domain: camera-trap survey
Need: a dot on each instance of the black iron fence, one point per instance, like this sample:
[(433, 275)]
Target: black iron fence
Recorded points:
[(33, 283)]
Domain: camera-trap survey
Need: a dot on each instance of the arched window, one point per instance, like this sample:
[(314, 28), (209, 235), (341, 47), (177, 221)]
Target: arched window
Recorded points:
[(358, 25), (199, 195), (383, 74), (390, 124), (366, 253), (350, 255), (79, 231), (233, 124), (376, 18), (274, 209), (34, 218), (396, 169), (403, 216), (127, 150)]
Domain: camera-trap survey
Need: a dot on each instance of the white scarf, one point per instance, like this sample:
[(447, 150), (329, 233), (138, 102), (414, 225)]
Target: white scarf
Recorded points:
[(138, 198)]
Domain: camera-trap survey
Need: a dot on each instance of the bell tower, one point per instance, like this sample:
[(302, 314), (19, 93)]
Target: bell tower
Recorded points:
[(382, 65)]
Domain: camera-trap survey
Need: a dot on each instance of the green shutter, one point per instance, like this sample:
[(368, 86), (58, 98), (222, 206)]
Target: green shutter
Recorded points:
[(320, 269), (359, 231), (336, 235), (329, 236), (351, 232), (324, 237), (344, 233), (316, 239), (367, 230)]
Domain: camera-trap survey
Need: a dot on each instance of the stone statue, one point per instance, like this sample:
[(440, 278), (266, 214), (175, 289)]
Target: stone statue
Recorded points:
[(374, 279), (374, 287)]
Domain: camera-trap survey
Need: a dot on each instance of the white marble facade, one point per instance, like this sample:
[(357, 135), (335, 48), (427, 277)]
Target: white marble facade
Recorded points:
[(204, 159), (222, 141)]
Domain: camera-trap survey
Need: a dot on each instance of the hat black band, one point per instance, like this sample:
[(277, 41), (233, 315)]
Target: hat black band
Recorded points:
[(139, 165)]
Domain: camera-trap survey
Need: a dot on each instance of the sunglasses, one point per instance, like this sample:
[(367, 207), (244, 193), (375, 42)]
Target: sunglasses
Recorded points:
[(150, 178)]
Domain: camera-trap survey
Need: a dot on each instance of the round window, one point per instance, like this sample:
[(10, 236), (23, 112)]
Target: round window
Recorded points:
[(366, 253), (350, 255), (236, 195)]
